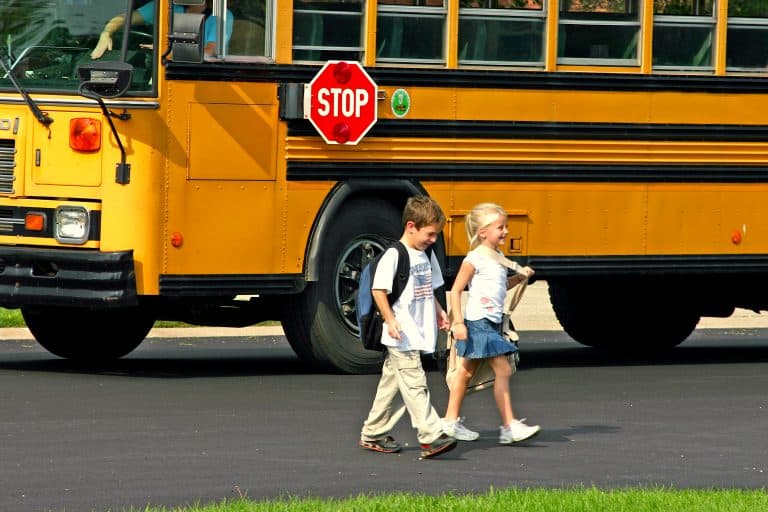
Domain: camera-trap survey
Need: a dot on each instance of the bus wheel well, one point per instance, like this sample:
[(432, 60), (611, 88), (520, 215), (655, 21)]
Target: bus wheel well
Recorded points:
[(319, 323), (622, 314), (394, 193), (87, 334)]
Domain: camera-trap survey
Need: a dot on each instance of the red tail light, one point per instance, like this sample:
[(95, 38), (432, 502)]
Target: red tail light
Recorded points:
[(84, 134)]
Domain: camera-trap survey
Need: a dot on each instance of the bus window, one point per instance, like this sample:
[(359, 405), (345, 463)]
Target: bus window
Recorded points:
[(683, 32), (44, 42), (599, 32), (747, 41), (327, 30), (411, 31), (250, 31), (506, 32)]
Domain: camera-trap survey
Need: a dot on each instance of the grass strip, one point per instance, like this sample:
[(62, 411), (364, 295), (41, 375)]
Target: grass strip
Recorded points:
[(517, 500)]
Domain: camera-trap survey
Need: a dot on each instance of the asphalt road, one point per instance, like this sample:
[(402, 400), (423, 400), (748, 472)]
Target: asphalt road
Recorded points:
[(181, 421)]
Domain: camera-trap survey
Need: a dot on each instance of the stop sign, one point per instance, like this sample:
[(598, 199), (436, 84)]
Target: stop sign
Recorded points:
[(340, 102)]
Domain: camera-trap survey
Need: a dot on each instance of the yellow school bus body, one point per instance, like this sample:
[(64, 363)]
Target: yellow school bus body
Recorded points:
[(622, 183)]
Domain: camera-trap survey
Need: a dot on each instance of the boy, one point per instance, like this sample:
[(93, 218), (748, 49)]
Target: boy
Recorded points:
[(410, 328)]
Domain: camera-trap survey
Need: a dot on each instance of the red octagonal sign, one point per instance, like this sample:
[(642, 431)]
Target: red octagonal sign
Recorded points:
[(340, 102)]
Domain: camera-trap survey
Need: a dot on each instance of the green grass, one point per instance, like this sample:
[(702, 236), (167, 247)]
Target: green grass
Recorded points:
[(13, 318), (513, 500)]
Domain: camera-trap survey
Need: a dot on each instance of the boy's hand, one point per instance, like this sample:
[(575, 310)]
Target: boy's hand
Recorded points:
[(393, 328), (442, 320)]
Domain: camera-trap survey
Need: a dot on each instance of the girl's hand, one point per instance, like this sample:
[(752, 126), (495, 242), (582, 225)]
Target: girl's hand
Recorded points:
[(521, 275), (459, 331)]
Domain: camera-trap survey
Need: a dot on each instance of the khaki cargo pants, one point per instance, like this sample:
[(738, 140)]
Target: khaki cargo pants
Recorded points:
[(402, 371)]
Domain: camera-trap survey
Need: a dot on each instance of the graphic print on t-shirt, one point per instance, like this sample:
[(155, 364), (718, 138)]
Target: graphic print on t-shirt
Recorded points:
[(422, 281)]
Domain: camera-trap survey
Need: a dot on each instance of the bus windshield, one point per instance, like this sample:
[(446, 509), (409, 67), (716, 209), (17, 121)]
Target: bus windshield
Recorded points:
[(44, 41)]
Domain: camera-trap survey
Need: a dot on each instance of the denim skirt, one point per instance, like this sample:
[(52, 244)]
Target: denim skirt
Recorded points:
[(484, 339)]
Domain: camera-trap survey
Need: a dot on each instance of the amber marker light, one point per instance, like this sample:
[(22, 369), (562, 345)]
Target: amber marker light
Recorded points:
[(84, 134), (34, 221), (177, 239)]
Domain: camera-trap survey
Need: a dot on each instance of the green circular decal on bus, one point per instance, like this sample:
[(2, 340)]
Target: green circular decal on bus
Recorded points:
[(401, 103)]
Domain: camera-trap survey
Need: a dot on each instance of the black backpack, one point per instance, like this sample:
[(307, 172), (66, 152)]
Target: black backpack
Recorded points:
[(368, 316)]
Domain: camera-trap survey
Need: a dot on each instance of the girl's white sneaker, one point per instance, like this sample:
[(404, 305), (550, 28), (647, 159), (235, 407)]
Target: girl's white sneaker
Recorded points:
[(517, 431), (457, 430)]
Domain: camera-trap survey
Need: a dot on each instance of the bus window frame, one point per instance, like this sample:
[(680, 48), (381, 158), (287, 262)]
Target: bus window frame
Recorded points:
[(749, 24), (689, 21), (582, 18), (415, 11), (321, 49), (220, 9), (474, 13)]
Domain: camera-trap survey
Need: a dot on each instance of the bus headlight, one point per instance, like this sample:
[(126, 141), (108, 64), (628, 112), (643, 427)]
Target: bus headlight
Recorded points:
[(71, 225)]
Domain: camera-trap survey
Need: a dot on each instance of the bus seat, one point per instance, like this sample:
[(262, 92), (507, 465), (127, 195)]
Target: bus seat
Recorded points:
[(247, 38)]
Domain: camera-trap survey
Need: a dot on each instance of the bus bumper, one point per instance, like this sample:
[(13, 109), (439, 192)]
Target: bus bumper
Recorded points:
[(56, 277)]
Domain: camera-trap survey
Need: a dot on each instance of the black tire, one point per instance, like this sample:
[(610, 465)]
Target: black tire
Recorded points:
[(320, 323), (91, 335), (626, 316)]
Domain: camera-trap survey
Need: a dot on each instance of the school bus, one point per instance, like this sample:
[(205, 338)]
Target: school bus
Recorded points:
[(170, 178)]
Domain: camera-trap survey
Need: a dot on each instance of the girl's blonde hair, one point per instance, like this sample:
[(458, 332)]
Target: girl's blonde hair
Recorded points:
[(480, 217)]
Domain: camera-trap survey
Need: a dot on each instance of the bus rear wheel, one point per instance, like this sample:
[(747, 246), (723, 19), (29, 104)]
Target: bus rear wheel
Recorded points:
[(320, 323), (84, 334), (627, 316)]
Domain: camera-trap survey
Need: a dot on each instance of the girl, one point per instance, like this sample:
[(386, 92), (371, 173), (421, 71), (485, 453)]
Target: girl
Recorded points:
[(477, 331)]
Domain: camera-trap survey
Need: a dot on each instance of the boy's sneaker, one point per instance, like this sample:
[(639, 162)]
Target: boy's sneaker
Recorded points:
[(442, 444), (457, 430), (385, 445), (517, 431)]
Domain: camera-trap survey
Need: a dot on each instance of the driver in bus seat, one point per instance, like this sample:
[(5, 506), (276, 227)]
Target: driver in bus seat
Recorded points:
[(145, 15)]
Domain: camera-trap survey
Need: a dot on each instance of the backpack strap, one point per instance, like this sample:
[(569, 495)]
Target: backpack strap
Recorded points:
[(403, 271), (401, 274)]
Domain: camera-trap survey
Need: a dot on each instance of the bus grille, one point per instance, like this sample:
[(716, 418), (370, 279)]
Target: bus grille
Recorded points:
[(7, 165), (6, 221)]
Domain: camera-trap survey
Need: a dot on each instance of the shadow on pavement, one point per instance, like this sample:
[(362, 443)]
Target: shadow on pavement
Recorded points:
[(232, 357)]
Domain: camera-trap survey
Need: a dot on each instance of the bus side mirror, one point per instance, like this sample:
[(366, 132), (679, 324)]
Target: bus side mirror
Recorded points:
[(186, 37), (104, 79)]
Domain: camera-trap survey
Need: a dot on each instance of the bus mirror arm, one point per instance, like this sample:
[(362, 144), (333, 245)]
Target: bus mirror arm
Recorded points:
[(123, 169)]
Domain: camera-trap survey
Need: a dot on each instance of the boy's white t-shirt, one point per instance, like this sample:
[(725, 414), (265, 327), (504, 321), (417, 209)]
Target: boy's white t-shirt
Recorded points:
[(415, 309), (487, 289)]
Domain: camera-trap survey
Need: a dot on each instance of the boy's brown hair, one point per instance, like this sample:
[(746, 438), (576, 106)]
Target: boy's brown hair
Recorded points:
[(423, 211)]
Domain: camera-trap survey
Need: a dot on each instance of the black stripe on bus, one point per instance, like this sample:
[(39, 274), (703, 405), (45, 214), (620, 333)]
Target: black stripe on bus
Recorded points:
[(229, 284), (551, 131), (474, 79), (670, 265), (533, 172)]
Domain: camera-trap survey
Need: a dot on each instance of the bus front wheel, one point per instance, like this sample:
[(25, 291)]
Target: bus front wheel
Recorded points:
[(621, 315), (320, 324), (84, 334)]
